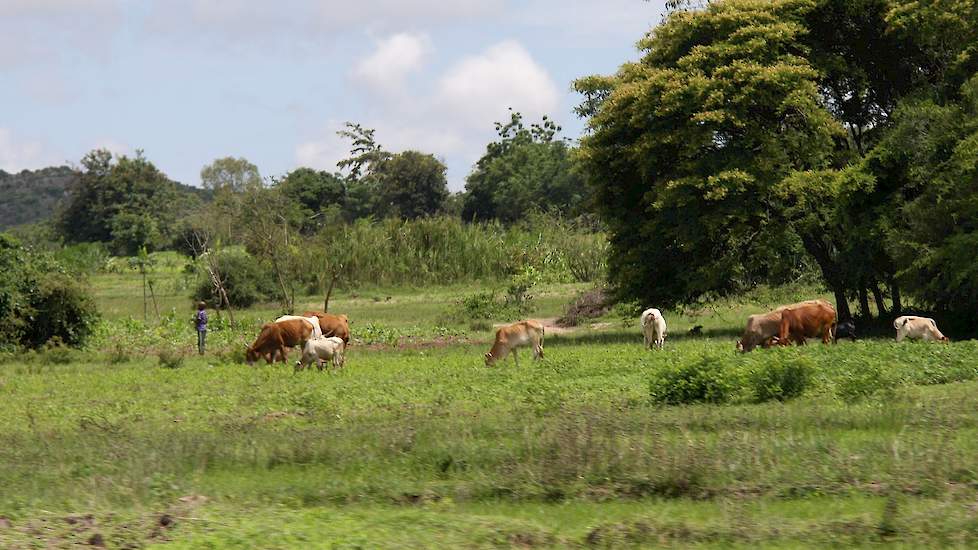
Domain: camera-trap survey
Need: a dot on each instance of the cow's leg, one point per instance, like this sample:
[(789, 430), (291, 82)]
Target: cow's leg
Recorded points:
[(537, 348), (900, 336), (516, 360), (648, 341)]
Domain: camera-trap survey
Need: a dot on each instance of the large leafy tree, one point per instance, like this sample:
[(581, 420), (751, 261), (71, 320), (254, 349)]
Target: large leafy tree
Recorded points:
[(230, 174), (126, 202), (525, 169), (318, 193), (688, 146), (411, 185)]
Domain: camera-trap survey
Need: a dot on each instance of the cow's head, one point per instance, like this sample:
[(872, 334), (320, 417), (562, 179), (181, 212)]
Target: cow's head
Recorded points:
[(251, 355), (490, 359), (740, 345), (945, 339)]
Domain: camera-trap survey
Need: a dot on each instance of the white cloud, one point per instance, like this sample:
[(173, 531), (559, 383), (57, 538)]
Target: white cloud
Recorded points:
[(481, 88), (394, 58), (18, 154), (36, 32)]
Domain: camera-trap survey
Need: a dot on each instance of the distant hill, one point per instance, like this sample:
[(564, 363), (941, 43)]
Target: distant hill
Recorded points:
[(33, 196)]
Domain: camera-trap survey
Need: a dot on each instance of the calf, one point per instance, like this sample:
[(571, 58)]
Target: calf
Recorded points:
[(322, 349), (845, 329), (913, 327), (653, 328), (510, 337)]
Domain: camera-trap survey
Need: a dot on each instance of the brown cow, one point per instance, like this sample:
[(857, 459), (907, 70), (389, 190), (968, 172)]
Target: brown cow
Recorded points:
[(276, 338), (808, 320), (332, 325), (763, 329)]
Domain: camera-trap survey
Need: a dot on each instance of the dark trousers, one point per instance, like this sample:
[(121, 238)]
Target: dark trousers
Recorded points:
[(201, 336)]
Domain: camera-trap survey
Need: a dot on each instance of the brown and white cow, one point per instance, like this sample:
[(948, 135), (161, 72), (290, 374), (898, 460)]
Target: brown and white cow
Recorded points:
[(510, 337), (332, 325), (808, 320), (763, 329), (276, 338), (913, 327)]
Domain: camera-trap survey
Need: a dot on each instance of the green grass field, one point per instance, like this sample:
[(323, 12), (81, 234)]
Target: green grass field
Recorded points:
[(417, 444)]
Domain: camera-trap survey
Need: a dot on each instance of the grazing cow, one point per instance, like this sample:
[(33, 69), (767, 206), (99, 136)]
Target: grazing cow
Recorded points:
[(317, 331), (510, 337), (807, 321), (332, 325), (913, 327), (275, 338), (653, 328), (322, 349), (763, 329), (845, 329), (696, 331)]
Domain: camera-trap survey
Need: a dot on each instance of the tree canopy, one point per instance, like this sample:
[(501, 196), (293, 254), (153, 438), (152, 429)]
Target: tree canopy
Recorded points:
[(748, 124)]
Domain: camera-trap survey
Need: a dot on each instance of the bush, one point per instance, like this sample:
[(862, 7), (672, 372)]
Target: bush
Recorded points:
[(245, 280), (704, 380), (40, 301), (588, 305), (863, 381), (63, 311), (170, 359), (781, 379)]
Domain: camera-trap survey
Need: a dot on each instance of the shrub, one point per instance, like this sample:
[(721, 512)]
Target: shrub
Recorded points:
[(245, 280), (39, 300), (704, 380), (864, 381), (780, 379), (63, 311), (170, 359), (588, 305)]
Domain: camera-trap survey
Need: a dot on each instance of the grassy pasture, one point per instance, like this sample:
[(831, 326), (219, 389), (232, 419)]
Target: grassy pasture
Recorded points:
[(417, 444)]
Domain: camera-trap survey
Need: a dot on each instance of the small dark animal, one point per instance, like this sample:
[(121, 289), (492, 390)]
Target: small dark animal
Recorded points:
[(696, 331), (845, 329)]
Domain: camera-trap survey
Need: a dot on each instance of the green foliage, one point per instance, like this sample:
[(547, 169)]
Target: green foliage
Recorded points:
[(230, 174), (32, 196), (170, 359), (245, 280), (527, 169), (127, 203), (705, 379), (410, 185), (753, 136), (321, 195), (781, 378), (40, 301)]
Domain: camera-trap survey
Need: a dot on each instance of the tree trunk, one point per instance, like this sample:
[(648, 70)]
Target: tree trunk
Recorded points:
[(895, 297), (329, 292), (864, 303), (152, 294), (830, 272), (880, 303)]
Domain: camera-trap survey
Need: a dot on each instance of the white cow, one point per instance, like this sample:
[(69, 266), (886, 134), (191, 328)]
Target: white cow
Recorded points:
[(653, 328), (913, 327), (317, 331), (322, 349)]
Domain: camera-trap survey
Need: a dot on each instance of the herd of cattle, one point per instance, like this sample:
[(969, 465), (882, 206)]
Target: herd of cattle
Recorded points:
[(324, 337)]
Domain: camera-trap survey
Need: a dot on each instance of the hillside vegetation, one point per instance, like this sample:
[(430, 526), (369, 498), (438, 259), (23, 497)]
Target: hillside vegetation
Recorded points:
[(33, 196)]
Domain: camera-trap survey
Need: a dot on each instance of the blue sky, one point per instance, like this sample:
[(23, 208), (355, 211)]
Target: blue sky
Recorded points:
[(189, 81)]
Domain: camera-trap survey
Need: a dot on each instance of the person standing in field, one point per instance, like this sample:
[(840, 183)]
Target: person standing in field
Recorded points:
[(201, 321)]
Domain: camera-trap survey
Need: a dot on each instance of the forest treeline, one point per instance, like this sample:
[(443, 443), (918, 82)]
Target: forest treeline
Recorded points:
[(846, 129), (753, 142)]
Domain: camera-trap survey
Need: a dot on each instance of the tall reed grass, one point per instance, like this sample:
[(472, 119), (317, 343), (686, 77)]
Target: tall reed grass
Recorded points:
[(444, 250)]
